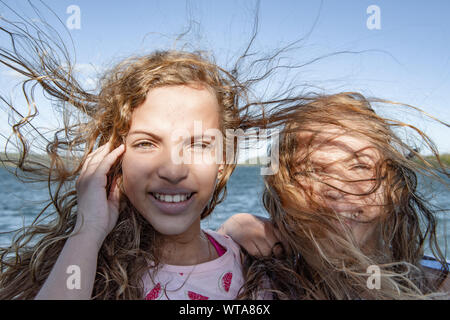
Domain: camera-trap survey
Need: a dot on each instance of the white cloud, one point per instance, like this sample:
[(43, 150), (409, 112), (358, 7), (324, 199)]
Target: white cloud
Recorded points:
[(12, 74)]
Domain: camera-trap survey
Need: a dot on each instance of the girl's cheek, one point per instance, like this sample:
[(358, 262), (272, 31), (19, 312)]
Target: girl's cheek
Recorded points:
[(206, 174), (134, 168)]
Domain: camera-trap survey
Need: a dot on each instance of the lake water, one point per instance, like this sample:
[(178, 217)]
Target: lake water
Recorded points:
[(20, 203)]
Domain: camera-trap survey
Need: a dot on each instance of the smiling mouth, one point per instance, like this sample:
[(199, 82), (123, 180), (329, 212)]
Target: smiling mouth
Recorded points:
[(350, 214), (172, 198)]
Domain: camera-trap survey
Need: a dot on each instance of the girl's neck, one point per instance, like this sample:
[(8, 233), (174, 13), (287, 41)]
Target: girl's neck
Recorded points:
[(190, 248), (373, 244)]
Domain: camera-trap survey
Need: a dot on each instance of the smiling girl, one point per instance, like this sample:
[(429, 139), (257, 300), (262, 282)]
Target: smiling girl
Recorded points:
[(131, 224)]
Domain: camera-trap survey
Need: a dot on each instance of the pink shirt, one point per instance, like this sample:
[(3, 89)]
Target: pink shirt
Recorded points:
[(219, 279)]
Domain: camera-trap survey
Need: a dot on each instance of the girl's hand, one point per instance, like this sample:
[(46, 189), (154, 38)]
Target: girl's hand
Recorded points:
[(255, 234), (97, 212)]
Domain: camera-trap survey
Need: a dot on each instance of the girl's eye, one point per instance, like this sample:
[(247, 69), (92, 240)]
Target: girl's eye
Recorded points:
[(144, 144), (201, 145), (360, 167)]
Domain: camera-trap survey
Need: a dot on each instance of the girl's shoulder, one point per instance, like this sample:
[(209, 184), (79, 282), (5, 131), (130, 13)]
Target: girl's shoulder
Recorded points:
[(225, 241), (432, 263), (434, 270)]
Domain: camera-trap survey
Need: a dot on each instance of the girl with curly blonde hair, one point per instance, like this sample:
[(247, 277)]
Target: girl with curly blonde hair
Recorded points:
[(127, 211)]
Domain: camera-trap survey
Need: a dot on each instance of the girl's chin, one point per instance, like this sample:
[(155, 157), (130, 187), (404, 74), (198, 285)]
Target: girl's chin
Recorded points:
[(172, 225), (364, 236), (169, 230), (362, 232)]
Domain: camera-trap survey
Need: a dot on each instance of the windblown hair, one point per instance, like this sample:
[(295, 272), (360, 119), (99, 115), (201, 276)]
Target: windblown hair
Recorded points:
[(322, 259), (92, 119)]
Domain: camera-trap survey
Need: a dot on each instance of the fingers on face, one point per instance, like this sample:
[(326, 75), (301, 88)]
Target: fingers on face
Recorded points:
[(272, 235), (103, 154), (274, 244), (277, 234), (100, 162), (94, 155), (259, 248), (109, 159), (114, 193), (278, 250)]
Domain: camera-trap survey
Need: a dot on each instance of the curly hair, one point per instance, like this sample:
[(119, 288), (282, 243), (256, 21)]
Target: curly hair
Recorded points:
[(105, 116)]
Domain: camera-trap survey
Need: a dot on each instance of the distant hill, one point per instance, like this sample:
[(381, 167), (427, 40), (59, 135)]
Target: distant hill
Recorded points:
[(445, 159), (11, 158), (259, 161)]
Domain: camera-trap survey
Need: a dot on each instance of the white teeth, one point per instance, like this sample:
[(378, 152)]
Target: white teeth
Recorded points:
[(352, 215), (171, 198)]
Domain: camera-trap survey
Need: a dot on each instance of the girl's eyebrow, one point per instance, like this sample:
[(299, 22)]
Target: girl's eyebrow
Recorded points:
[(362, 156), (154, 136), (203, 136)]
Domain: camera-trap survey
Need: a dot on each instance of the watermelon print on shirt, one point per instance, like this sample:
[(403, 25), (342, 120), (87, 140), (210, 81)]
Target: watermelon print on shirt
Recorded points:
[(219, 279)]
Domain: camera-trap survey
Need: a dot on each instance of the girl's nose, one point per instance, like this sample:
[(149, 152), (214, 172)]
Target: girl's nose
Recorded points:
[(172, 172), (332, 194)]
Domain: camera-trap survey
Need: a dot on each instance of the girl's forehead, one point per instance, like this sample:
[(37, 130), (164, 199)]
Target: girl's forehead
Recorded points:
[(331, 141), (166, 109)]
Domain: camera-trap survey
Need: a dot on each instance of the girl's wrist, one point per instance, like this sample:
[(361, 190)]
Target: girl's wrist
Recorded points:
[(92, 235)]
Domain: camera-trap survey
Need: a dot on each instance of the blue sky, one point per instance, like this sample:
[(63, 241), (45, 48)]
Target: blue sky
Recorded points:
[(407, 59)]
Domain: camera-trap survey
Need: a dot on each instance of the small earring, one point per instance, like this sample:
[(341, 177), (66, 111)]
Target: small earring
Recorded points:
[(219, 174)]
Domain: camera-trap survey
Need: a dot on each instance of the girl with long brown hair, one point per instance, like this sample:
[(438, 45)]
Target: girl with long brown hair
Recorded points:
[(346, 208), (127, 211)]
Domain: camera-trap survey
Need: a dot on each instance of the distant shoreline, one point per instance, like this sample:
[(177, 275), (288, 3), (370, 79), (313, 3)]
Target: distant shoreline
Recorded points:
[(4, 164), (39, 158), (445, 159)]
